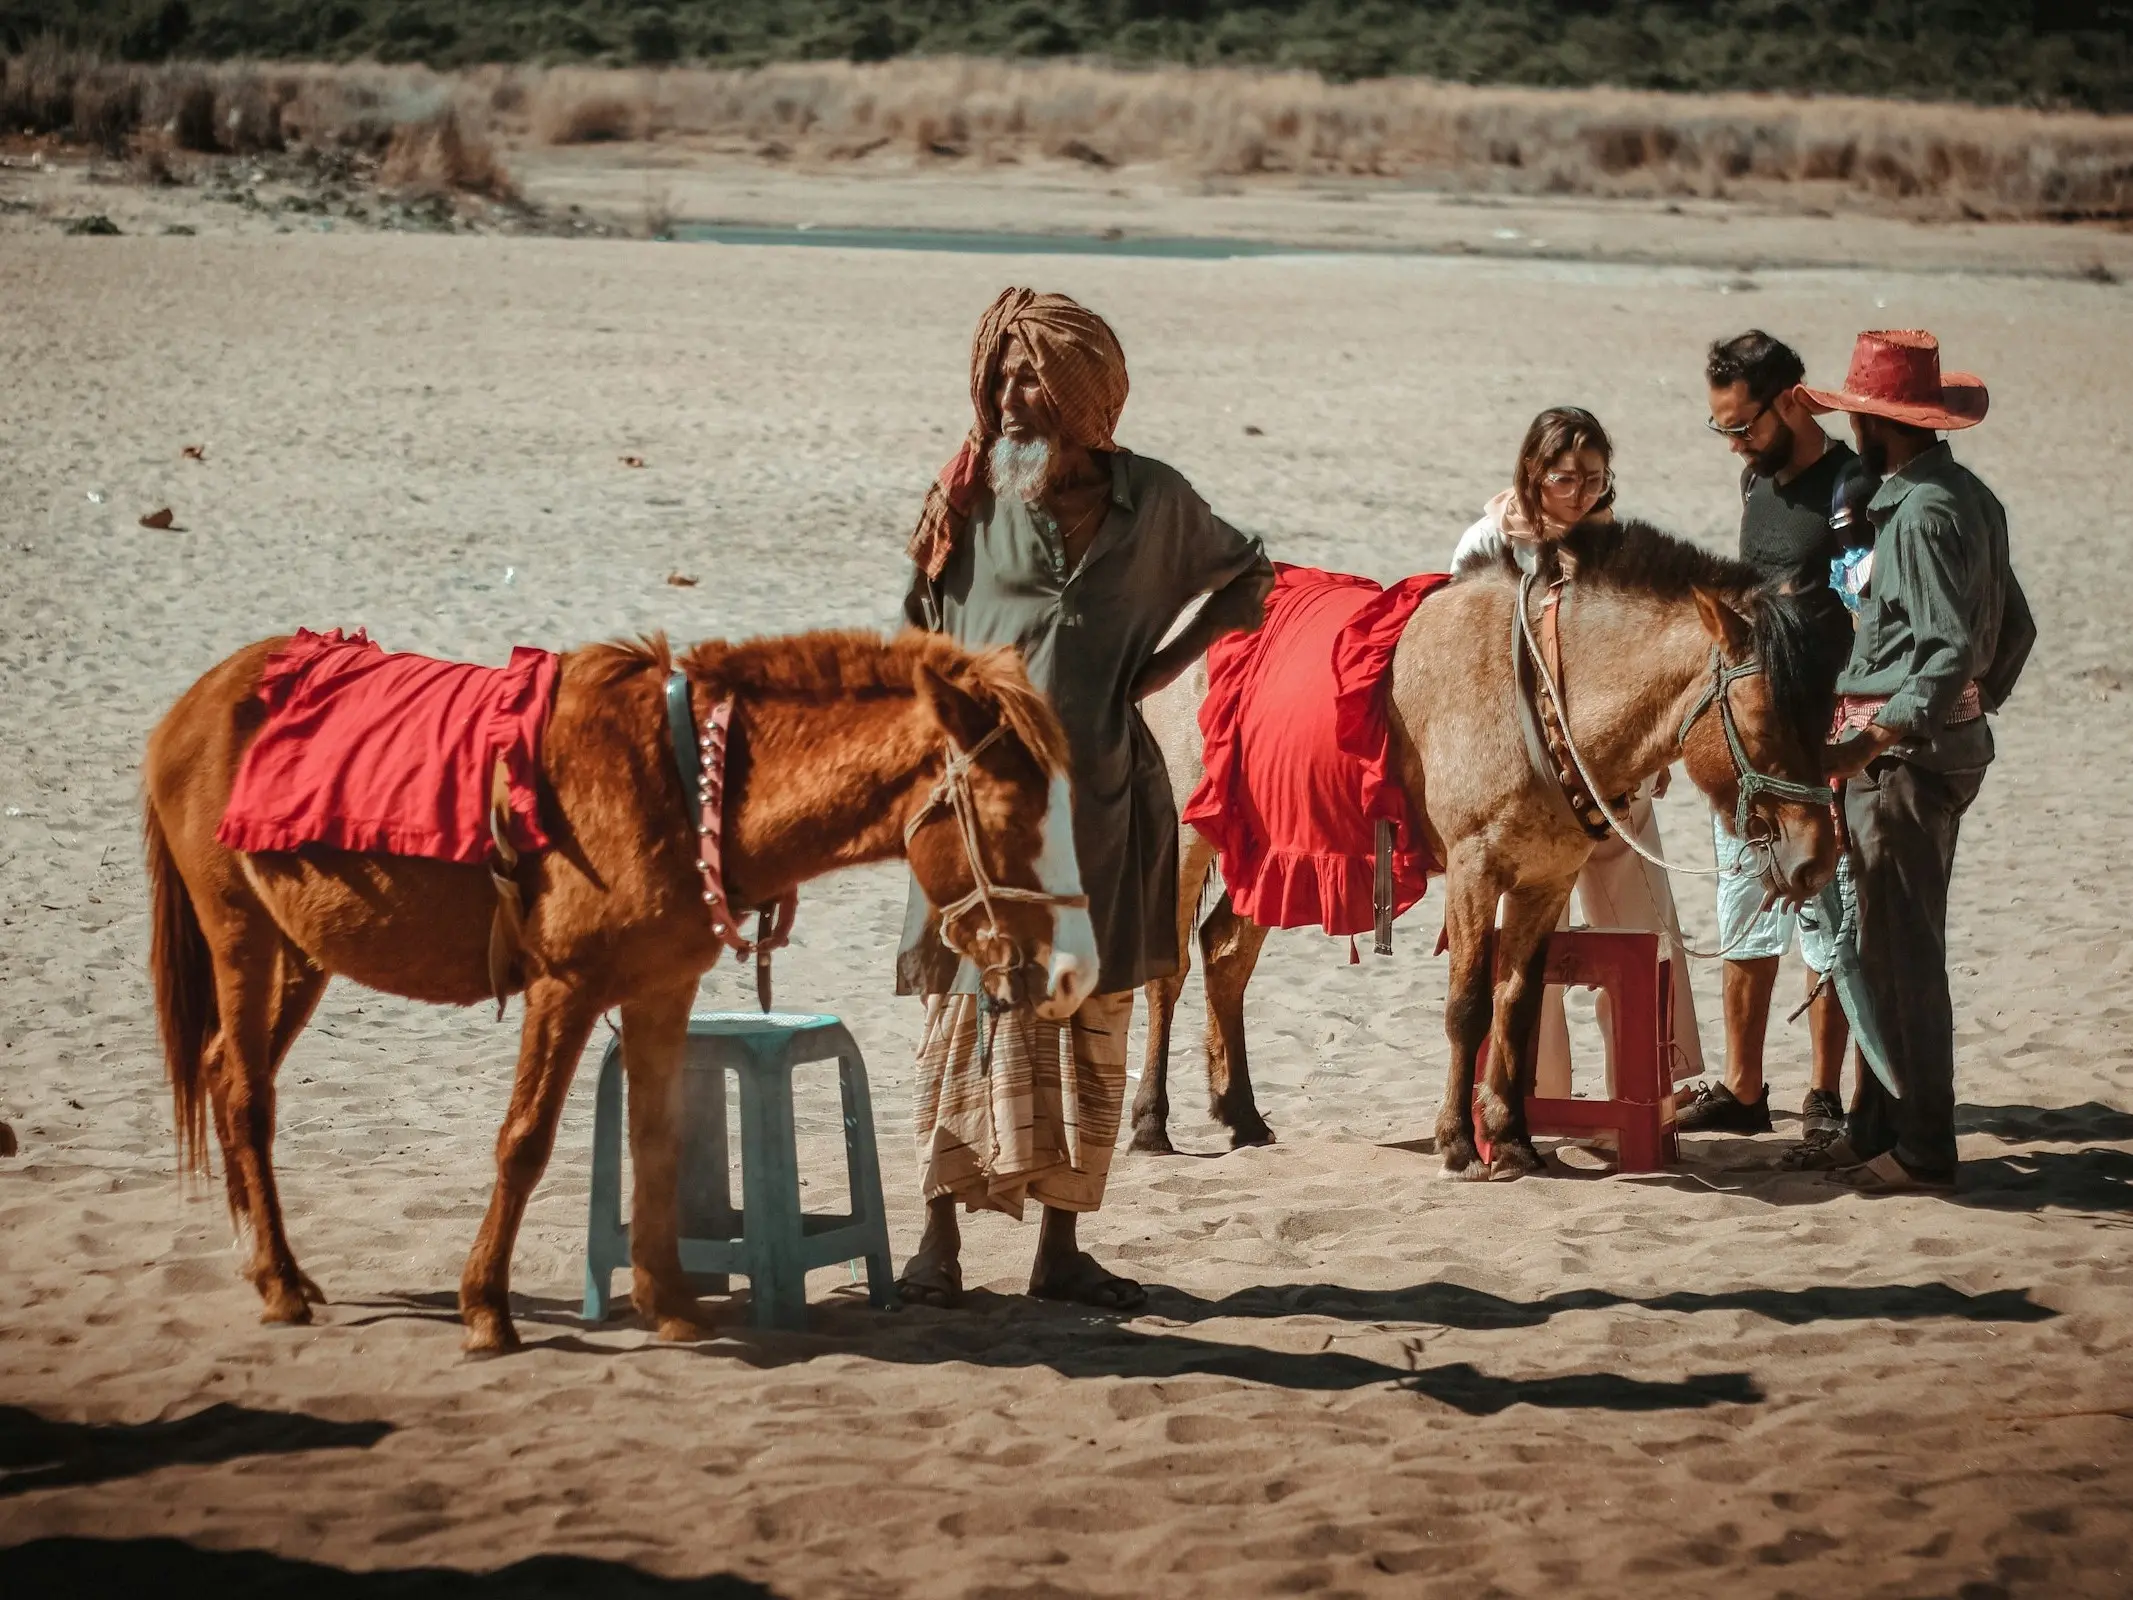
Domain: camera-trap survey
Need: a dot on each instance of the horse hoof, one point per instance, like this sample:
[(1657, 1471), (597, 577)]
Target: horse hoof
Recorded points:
[(488, 1334), (676, 1329), (1252, 1137), (1515, 1159), (312, 1292), (284, 1305), (1152, 1140)]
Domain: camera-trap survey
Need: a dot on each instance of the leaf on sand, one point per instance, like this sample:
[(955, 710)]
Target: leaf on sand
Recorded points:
[(194, 452), (160, 519), (681, 580), (633, 461)]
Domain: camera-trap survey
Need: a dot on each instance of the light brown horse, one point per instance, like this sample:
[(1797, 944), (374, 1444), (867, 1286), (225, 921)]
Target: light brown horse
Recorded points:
[(1651, 622), (839, 747)]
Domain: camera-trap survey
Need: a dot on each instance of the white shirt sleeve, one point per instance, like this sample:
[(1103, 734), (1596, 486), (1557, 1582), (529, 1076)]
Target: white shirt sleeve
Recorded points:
[(1480, 546)]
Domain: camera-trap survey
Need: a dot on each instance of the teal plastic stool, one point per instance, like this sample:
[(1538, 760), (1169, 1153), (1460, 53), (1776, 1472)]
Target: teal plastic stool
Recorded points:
[(769, 1240)]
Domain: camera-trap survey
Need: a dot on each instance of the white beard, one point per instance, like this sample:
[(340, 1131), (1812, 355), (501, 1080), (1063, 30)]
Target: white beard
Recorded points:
[(1021, 468)]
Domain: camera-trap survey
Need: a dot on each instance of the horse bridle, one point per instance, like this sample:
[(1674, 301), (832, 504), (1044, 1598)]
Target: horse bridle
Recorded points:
[(952, 789), (1752, 781)]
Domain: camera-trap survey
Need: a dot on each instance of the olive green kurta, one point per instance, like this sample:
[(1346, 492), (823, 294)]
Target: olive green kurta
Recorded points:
[(1085, 635)]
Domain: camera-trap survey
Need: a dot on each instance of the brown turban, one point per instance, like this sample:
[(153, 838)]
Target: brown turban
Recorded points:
[(1084, 376)]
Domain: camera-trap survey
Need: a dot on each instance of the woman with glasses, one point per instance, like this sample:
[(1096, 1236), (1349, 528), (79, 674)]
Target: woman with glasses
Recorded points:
[(1565, 476)]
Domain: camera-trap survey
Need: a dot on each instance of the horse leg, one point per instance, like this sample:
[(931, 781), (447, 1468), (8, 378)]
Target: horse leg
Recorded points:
[(218, 1093), (265, 990), (558, 1020), (1151, 1103), (1469, 930), (654, 1035), (299, 985), (1530, 913), (1230, 944)]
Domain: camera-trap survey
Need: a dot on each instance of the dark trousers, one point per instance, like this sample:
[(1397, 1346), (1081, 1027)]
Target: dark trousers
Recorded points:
[(1903, 821)]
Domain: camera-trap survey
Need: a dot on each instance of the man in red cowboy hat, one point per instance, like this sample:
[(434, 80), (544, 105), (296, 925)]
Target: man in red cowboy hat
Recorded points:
[(1943, 630), (1045, 534)]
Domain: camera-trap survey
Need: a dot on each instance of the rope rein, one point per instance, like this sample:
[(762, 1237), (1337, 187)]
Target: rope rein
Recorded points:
[(953, 790), (1752, 782)]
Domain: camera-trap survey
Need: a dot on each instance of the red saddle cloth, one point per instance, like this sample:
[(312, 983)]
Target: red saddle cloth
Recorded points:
[(1299, 754), (389, 753)]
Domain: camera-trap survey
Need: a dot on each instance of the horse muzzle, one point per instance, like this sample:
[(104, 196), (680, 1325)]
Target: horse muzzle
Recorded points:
[(1800, 862), (1070, 965)]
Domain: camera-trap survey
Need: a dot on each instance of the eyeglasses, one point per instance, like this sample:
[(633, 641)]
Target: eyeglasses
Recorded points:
[(1740, 430), (1563, 482)]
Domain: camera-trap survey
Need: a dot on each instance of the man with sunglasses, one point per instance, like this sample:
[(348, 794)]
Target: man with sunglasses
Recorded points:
[(1787, 483)]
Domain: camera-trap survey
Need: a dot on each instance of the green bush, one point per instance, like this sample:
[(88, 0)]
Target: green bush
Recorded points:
[(2073, 53)]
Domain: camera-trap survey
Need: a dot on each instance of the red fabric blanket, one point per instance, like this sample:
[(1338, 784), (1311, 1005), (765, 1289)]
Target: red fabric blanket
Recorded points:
[(389, 753), (1299, 754)]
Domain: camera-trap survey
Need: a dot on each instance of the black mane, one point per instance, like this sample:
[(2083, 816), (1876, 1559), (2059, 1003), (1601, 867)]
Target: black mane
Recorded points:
[(1800, 636)]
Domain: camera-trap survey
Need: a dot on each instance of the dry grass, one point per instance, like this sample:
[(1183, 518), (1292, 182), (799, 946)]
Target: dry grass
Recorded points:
[(1928, 159), (576, 106), (437, 154), (434, 132), (429, 133)]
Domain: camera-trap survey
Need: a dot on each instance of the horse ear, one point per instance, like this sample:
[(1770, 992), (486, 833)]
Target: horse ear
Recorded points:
[(962, 716), (1725, 622)]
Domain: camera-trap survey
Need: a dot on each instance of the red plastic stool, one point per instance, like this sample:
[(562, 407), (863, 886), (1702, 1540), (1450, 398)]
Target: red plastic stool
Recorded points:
[(1630, 967)]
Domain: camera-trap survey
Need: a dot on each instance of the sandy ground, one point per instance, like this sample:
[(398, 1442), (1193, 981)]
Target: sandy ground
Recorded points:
[(1351, 1378)]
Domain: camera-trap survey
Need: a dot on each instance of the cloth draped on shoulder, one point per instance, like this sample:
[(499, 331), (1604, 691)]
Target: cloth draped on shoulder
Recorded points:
[(1298, 753), (1083, 370), (390, 753)]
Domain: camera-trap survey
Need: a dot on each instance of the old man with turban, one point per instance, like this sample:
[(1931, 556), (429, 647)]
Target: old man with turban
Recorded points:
[(1045, 534)]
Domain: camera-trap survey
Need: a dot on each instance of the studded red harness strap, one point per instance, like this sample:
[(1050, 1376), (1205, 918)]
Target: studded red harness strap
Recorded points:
[(700, 759)]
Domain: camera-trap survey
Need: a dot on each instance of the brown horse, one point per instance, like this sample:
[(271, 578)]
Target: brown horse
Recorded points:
[(845, 749), (1653, 628)]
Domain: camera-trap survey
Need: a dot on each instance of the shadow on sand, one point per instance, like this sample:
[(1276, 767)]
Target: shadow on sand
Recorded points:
[(1010, 1331), (37, 1453), (2096, 1179), (171, 1566), (996, 1330), (2087, 1123), (2093, 1180), (1454, 1305)]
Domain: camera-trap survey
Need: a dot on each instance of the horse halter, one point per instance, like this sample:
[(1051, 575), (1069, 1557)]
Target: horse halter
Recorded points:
[(953, 790), (1752, 781)]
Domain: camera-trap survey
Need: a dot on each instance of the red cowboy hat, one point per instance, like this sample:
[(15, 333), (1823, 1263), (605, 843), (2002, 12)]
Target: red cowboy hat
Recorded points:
[(1896, 374)]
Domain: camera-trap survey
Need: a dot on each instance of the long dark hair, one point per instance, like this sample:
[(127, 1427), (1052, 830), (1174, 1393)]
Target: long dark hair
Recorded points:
[(1554, 431)]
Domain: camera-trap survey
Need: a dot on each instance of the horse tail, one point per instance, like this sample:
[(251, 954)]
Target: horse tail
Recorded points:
[(186, 1013)]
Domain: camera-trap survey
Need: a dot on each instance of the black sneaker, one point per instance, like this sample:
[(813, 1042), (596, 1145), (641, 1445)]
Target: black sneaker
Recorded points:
[(1821, 1112), (1712, 1108)]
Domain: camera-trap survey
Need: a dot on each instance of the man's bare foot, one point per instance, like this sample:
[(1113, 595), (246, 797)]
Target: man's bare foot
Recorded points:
[(1084, 1281), (932, 1280), (934, 1276), (1065, 1271)]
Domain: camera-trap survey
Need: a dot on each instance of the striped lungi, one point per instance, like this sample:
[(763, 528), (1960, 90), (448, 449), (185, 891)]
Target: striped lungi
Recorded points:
[(1042, 1125)]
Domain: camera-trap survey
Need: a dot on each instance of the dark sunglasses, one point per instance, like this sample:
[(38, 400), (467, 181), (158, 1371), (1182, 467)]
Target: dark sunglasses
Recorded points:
[(1739, 430)]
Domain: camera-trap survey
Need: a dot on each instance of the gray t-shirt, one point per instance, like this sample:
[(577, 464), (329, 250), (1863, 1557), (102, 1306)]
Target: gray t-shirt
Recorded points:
[(1784, 527)]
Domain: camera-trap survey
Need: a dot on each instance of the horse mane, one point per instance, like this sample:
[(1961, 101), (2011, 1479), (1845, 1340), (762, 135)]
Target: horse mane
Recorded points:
[(847, 664), (1791, 627)]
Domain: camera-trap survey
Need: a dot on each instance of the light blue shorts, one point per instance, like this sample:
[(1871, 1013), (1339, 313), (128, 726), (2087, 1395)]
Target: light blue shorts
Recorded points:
[(1746, 932)]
